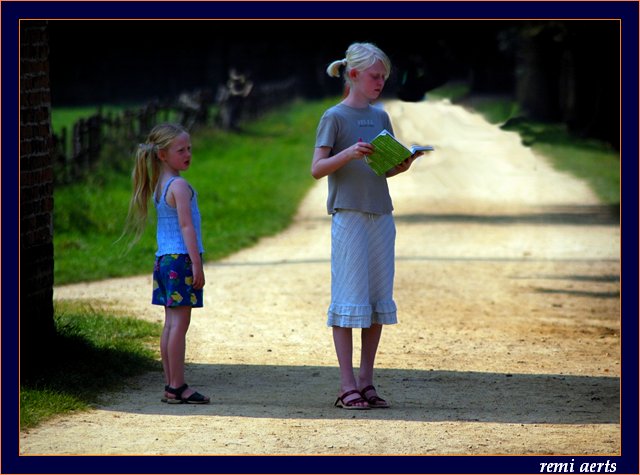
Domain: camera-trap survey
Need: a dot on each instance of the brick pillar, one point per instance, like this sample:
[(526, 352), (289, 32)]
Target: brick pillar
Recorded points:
[(36, 193)]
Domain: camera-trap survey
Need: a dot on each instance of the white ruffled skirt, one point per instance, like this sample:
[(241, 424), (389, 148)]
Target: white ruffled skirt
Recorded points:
[(362, 270)]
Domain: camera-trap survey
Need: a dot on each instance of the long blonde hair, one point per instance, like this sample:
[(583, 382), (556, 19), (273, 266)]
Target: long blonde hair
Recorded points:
[(359, 56), (145, 175)]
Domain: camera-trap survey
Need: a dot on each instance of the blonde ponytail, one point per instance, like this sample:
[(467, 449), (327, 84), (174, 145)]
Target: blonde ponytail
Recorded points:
[(333, 69), (145, 175)]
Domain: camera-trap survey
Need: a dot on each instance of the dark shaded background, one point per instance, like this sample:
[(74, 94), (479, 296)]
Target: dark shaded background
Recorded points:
[(105, 61), (565, 71)]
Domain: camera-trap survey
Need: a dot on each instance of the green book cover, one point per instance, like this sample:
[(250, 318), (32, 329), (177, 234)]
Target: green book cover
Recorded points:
[(389, 152)]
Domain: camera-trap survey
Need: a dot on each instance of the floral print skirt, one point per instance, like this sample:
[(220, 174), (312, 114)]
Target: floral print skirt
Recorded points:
[(173, 280)]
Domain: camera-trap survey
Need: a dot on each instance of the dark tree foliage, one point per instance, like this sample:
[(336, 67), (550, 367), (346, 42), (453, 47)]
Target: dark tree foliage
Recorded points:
[(557, 70)]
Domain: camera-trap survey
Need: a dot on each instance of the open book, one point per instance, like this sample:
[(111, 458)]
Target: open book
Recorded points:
[(389, 152)]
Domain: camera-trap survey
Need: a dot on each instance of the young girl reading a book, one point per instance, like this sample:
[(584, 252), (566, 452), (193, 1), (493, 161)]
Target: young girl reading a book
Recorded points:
[(362, 227), (178, 276)]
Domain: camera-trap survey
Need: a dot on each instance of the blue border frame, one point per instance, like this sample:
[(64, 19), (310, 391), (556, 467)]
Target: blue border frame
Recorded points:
[(627, 11), (321, 9)]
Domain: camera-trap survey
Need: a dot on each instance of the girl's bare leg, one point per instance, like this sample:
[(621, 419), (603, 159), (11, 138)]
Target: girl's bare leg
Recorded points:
[(164, 347), (370, 340), (173, 346), (342, 339)]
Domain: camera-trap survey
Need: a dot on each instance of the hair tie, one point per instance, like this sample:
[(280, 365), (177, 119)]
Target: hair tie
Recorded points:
[(146, 147), (344, 62)]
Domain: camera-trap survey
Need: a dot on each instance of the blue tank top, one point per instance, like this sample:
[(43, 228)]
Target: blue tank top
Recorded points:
[(168, 234)]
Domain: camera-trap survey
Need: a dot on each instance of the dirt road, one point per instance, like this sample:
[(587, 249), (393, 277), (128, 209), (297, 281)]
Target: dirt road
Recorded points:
[(507, 283)]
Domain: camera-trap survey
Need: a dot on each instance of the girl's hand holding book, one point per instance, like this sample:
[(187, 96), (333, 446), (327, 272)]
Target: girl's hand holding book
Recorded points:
[(360, 150)]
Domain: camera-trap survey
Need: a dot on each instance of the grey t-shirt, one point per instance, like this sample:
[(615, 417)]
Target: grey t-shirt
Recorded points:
[(354, 186)]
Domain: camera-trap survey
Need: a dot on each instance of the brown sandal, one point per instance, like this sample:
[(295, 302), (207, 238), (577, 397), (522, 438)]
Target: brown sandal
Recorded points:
[(375, 402), (341, 403)]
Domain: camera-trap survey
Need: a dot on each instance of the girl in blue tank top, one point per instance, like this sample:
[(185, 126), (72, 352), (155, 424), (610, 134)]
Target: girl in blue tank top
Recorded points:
[(178, 275)]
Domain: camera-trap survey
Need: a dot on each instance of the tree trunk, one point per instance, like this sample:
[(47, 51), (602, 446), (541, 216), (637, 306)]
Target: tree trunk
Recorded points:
[(36, 195)]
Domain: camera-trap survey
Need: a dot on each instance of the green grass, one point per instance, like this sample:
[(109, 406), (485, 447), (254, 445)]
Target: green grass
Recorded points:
[(452, 90), (66, 117), (94, 351), (249, 186), (497, 110)]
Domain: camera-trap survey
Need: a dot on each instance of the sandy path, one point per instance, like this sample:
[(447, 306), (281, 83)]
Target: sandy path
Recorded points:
[(507, 284)]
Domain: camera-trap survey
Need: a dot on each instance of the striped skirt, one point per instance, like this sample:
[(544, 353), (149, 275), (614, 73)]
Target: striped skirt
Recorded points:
[(362, 270)]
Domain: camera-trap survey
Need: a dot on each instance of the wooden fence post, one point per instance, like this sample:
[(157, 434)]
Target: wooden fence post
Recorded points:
[(123, 129)]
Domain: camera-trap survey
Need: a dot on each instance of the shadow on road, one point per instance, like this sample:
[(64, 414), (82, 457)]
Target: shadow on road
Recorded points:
[(551, 215), (304, 392)]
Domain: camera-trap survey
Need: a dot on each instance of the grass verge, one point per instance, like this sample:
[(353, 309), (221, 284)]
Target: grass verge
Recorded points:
[(249, 186), (95, 351)]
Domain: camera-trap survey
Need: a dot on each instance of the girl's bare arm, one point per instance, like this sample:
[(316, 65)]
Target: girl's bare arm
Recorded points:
[(323, 164), (182, 195)]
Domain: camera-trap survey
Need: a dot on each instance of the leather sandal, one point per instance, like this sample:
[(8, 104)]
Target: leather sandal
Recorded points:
[(375, 402), (341, 403), (166, 390), (195, 398)]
